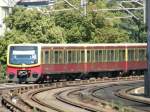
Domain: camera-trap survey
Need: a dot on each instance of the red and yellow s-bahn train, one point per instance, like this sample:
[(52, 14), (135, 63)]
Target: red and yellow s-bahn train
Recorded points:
[(39, 62)]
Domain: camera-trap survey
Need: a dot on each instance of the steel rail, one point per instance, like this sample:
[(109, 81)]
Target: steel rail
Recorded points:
[(20, 90)]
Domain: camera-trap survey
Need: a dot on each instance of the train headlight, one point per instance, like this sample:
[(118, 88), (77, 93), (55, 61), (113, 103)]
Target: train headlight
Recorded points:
[(11, 75), (35, 75)]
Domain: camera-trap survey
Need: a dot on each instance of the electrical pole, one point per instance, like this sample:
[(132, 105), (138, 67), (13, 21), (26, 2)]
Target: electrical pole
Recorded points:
[(147, 75)]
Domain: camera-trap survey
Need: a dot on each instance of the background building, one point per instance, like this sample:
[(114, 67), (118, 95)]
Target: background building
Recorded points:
[(35, 3), (5, 9)]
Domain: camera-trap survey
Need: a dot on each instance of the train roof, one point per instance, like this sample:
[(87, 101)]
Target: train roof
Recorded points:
[(81, 45)]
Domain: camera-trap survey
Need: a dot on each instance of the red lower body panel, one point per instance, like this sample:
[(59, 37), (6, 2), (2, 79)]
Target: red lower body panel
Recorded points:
[(133, 65), (92, 67), (36, 69)]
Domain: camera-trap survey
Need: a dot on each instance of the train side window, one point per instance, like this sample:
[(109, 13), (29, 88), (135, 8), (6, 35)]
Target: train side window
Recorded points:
[(100, 55), (110, 55), (78, 56), (46, 57), (142, 54), (116, 55), (61, 57), (76, 60), (73, 56), (69, 56), (145, 54), (56, 57), (130, 54), (97, 55), (121, 55), (42, 57), (82, 56), (136, 55), (88, 56), (104, 56), (51, 57), (92, 56), (65, 57)]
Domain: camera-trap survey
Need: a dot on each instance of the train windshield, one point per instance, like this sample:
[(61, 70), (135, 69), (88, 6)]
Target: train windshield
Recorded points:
[(23, 55)]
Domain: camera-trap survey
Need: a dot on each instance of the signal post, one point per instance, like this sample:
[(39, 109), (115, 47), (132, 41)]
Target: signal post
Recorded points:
[(147, 74)]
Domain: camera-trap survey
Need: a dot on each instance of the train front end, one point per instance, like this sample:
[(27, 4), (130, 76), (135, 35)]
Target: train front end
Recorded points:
[(23, 63)]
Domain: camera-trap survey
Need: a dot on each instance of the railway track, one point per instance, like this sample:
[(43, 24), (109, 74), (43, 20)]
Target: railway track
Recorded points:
[(84, 98), (28, 102), (113, 91), (7, 91)]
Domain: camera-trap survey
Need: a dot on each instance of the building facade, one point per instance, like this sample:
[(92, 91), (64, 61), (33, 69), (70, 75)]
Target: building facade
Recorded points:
[(5, 9)]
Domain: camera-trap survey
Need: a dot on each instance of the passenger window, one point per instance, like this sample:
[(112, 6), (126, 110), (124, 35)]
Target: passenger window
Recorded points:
[(121, 55), (110, 55), (51, 57), (92, 56), (130, 54), (97, 55), (116, 55), (56, 56), (61, 57), (69, 56), (78, 56), (142, 54), (73, 57), (65, 57), (82, 57), (136, 55), (46, 57), (88, 56), (42, 57), (100, 55), (104, 56)]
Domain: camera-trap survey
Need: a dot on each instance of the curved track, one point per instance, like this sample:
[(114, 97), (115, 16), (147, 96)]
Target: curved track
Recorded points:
[(66, 95), (7, 89), (27, 94), (107, 93), (53, 102)]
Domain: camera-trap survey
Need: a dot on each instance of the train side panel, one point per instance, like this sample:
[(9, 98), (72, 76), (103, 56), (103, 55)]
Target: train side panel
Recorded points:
[(106, 66), (136, 58), (62, 68), (134, 65)]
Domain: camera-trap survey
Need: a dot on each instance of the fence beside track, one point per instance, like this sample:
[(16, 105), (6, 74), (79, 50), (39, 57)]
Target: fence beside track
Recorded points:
[(9, 93)]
